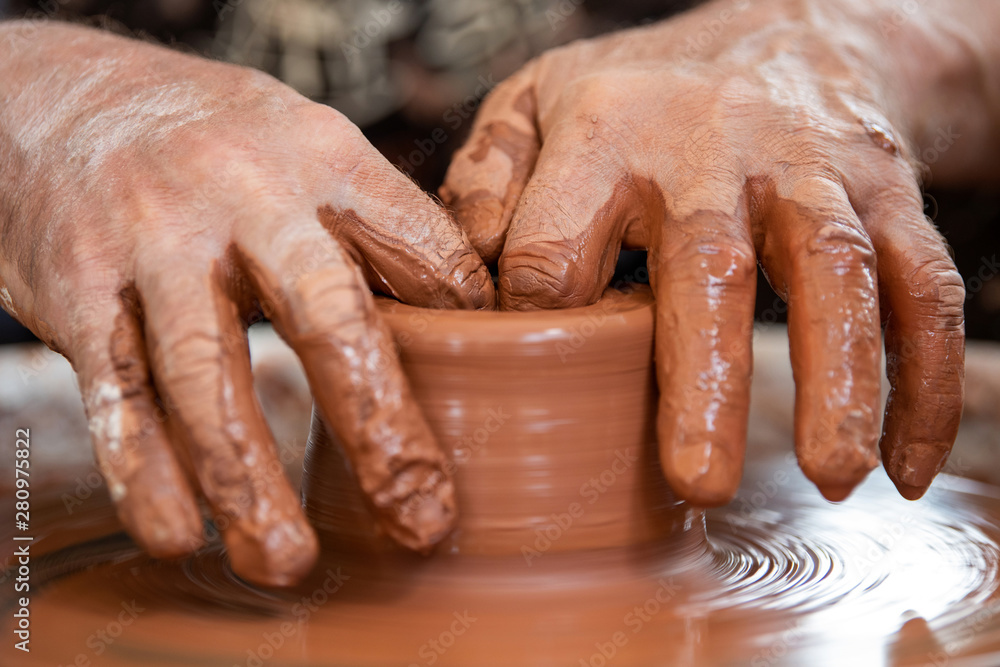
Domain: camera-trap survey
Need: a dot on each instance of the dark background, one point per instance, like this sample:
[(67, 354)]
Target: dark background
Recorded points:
[(406, 83)]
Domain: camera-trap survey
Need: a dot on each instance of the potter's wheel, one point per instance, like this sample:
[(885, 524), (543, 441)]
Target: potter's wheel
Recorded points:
[(784, 579), (779, 577)]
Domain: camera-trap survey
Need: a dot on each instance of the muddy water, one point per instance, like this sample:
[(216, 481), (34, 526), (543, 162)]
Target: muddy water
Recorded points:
[(783, 579), (778, 577)]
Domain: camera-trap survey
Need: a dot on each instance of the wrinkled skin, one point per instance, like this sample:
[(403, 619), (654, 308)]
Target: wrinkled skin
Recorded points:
[(152, 203), (787, 134)]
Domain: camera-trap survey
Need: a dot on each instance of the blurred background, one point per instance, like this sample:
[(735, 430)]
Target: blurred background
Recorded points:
[(404, 69)]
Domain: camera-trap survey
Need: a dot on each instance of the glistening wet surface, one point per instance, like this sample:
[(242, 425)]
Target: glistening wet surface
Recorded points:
[(782, 578)]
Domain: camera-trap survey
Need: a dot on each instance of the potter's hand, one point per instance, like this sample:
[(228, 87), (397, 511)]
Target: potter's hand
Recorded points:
[(784, 133), (150, 203)]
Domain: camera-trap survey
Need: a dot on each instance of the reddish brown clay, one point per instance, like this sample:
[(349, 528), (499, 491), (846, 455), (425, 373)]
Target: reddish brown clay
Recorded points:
[(548, 419)]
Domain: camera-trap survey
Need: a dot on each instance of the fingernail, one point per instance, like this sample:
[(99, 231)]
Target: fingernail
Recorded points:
[(919, 464), (425, 517), (911, 492), (278, 554), (428, 523), (836, 470), (417, 509), (704, 474), (481, 220), (835, 493), (173, 528), (484, 295)]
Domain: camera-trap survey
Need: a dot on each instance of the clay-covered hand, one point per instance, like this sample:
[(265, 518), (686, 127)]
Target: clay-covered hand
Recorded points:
[(728, 136), (151, 203)]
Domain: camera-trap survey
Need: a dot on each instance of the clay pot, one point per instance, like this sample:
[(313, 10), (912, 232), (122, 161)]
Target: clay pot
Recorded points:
[(548, 418)]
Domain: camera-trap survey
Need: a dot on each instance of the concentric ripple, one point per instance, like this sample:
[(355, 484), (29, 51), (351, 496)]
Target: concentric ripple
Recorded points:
[(783, 578)]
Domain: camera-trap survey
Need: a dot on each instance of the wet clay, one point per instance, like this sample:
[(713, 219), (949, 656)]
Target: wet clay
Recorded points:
[(148, 177), (803, 164), (569, 549), (408, 263), (785, 579), (548, 419), (353, 372), (486, 177)]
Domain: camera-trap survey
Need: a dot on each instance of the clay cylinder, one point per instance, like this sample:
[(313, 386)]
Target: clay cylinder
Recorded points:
[(549, 420)]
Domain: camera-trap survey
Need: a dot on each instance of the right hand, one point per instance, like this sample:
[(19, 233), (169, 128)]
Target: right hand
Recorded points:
[(151, 204), (772, 141)]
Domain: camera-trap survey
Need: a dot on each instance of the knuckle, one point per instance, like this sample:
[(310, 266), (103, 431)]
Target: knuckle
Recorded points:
[(333, 300), (209, 152), (593, 87), (597, 91), (804, 143), (340, 135), (738, 95), (344, 146), (188, 355), (541, 274), (324, 115), (465, 281), (719, 259), (841, 244), (936, 283)]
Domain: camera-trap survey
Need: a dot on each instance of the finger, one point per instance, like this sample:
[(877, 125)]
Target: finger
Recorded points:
[(703, 272), (487, 175), (922, 298), (328, 317), (201, 362), (408, 246), (127, 425), (820, 260), (566, 234)]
